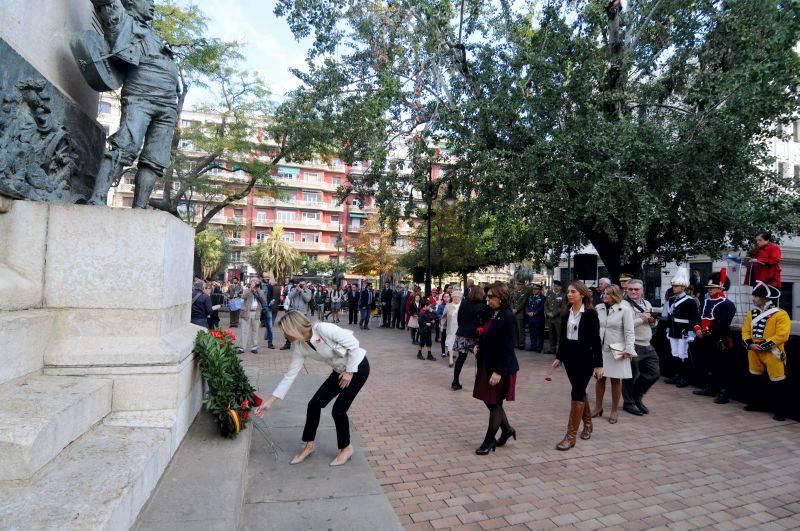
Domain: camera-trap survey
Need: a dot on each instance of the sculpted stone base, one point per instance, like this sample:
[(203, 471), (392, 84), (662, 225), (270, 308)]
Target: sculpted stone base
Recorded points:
[(94, 316)]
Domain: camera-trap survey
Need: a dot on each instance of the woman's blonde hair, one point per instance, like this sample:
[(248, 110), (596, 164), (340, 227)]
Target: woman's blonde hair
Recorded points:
[(294, 324), (615, 292)]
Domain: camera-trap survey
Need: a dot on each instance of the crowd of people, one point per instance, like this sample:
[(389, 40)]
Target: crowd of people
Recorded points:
[(602, 333)]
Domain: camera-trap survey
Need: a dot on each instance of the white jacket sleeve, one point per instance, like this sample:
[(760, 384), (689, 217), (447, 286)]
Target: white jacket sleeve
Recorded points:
[(291, 374), (627, 329), (334, 334)]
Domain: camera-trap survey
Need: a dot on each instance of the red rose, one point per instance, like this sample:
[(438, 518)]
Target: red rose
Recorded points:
[(245, 414), (245, 404), (257, 400)]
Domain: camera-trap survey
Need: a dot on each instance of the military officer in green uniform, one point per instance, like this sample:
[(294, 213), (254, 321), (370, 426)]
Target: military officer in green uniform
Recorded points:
[(555, 306), (519, 298)]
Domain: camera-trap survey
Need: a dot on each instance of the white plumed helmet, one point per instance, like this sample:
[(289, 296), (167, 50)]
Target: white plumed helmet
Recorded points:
[(681, 277)]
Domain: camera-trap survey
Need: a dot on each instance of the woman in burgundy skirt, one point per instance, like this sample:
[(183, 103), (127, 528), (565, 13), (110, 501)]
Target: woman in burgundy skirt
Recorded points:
[(497, 366)]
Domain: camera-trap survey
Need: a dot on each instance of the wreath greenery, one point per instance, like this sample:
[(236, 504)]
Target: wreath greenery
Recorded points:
[(231, 396)]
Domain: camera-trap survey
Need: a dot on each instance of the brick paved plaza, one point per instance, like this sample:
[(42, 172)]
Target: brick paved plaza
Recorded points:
[(690, 464)]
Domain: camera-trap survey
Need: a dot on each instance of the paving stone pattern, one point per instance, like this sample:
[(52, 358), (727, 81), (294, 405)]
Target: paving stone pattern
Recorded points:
[(690, 464)]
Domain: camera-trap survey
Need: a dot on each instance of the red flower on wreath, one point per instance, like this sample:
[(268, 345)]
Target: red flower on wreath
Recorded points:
[(245, 404), (257, 400)]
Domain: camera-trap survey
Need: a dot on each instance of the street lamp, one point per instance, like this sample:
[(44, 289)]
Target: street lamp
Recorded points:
[(432, 191)]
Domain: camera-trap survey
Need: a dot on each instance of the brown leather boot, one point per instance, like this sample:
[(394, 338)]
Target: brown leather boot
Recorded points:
[(575, 414), (586, 434)]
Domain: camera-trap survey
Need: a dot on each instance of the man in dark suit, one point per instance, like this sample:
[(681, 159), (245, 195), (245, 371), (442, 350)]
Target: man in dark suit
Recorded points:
[(268, 290), (366, 302), (404, 294), (352, 304), (386, 306)]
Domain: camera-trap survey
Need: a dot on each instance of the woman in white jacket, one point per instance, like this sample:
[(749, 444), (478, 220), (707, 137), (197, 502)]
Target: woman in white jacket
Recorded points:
[(338, 348), (449, 324), (617, 336)]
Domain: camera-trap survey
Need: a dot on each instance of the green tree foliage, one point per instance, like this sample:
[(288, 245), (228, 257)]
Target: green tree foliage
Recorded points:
[(458, 244), (248, 138), (645, 131), (372, 251), (213, 250), (274, 255)]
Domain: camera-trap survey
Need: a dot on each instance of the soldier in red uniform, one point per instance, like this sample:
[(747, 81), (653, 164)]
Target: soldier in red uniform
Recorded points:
[(764, 262)]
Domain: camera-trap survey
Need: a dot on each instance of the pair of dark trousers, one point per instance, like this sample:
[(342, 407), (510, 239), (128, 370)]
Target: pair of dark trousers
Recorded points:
[(364, 322), (328, 391), (235, 318), (554, 330), (387, 316), (352, 314), (645, 371), (536, 328), (521, 318)]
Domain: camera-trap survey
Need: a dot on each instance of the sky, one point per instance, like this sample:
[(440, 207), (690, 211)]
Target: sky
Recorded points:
[(268, 45)]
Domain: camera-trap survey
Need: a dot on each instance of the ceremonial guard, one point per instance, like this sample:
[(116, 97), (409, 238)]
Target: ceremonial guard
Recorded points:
[(534, 310), (555, 307), (682, 313), (518, 300), (765, 332), (713, 346)]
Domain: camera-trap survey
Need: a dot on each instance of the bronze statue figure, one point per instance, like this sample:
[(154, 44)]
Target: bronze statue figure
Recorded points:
[(134, 56)]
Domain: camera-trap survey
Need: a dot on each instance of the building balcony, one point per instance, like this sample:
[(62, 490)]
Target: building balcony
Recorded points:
[(363, 209), (237, 242), (330, 227), (234, 220), (300, 203), (219, 219), (313, 246)]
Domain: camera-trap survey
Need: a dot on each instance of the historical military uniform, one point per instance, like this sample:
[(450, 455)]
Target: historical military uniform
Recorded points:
[(149, 101), (518, 299), (534, 311), (682, 315), (713, 347), (555, 306), (765, 332)]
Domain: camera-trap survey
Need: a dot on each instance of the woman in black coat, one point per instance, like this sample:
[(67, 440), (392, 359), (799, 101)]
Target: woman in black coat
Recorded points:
[(580, 352), (496, 377)]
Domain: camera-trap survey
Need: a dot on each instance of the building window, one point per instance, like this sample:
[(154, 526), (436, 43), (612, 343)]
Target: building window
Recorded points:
[(313, 177), (357, 203), (335, 219), (311, 257), (336, 181), (310, 237), (796, 130), (285, 216), (781, 169), (236, 235), (260, 235), (355, 223), (236, 256), (312, 197), (186, 144), (312, 217), (288, 237), (288, 174), (796, 174), (261, 215), (104, 107), (238, 212)]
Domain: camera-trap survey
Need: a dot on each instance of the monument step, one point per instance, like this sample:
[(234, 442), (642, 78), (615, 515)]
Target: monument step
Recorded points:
[(101, 481), (41, 415)]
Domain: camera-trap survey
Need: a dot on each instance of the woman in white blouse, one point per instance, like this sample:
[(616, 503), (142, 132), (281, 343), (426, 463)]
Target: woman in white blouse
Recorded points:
[(617, 336), (338, 348), (449, 324)]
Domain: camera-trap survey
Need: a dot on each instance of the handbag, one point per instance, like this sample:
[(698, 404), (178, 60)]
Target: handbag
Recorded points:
[(617, 350), (235, 304)]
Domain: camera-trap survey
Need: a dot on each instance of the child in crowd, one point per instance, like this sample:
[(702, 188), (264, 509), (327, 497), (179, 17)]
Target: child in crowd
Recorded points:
[(427, 321)]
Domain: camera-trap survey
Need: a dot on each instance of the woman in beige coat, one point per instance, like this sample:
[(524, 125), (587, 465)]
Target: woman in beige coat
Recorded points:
[(617, 336)]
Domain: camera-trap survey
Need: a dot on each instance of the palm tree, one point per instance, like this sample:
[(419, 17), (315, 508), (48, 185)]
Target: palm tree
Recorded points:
[(275, 255)]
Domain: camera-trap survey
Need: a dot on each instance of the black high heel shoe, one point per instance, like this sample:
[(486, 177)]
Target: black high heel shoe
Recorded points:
[(504, 437), (486, 448)]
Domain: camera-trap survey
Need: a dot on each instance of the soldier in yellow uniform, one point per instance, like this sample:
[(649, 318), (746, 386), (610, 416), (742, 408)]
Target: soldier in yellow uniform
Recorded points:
[(765, 331)]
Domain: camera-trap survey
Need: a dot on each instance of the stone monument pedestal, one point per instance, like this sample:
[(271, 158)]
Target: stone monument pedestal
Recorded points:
[(98, 383)]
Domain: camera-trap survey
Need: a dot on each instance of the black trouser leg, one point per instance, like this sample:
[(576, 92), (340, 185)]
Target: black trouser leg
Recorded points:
[(628, 384), (649, 372), (579, 375), (444, 339), (327, 392), (462, 357), (414, 332)]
